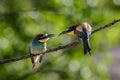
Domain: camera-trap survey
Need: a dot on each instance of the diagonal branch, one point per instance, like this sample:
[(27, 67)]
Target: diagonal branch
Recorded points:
[(106, 26), (59, 47)]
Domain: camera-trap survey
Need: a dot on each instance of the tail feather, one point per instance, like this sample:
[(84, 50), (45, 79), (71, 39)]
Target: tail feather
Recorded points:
[(41, 57), (86, 47), (33, 64), (34, 60)]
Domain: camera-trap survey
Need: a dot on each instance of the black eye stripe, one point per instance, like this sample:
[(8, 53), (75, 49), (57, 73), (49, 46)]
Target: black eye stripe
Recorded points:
[(43, 37), (69, 30)]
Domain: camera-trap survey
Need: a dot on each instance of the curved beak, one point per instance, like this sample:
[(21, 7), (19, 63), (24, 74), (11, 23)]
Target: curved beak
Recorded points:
[(50, 35), (64, 32)]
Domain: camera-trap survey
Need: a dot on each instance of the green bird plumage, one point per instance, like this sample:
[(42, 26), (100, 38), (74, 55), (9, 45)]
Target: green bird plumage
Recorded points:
[(38, 45)]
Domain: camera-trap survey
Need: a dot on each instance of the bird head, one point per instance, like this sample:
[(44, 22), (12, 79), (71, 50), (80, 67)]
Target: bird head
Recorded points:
[(43, 37), (70, 30), (87, 25)]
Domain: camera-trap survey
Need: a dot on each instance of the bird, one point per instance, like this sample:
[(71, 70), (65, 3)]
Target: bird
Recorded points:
[(82, 31), (38, 45)]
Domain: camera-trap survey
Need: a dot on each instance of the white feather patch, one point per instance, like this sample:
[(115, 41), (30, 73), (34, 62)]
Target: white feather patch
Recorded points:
[(37, 58)]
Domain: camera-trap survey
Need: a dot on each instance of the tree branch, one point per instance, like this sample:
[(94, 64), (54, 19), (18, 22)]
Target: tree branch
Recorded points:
[(105, 26), (59, 47)]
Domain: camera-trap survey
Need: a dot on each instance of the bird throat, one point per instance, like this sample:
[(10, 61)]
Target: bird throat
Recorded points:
[(44, 40), (70, 33)]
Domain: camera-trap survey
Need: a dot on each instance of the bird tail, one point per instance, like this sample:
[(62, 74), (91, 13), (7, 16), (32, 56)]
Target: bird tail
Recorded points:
[(35, 59), (40, 58), (86, 46)]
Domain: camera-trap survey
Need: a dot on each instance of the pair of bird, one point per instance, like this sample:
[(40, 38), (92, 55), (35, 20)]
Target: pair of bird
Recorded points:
[(38, 44)]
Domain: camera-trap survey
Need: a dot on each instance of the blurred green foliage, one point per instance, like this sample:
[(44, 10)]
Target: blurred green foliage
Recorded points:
[(21, 20)]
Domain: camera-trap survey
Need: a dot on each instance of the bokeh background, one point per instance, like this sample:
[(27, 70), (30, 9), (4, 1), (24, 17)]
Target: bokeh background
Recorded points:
[(21, 20)]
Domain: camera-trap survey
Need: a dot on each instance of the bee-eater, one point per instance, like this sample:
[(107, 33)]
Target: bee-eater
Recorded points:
[(38, 45), (82, 31)]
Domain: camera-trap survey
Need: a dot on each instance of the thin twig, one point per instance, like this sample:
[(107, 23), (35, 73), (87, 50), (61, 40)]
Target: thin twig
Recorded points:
[(59, 47), (107, 25)]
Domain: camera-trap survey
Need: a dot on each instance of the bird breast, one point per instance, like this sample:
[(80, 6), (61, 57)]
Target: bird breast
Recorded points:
[(37, 47)]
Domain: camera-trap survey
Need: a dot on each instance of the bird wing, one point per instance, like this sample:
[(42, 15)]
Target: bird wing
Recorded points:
[(85, 40), (84, 30), (82, 34)]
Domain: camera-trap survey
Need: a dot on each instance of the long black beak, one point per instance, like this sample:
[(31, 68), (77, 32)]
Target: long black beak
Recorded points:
[(50, 35), (64, 32)]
